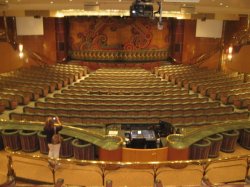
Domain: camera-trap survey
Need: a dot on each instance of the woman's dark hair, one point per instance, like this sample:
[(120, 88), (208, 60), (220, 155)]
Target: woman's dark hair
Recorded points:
[(49, 123)]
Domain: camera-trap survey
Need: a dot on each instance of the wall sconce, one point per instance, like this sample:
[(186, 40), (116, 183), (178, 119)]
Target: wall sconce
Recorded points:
[(230, 53), (230, 50), (229, 57), (20, 48)]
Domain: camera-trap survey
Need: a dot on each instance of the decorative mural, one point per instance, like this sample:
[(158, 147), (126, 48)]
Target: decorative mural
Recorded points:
[(117, 39)]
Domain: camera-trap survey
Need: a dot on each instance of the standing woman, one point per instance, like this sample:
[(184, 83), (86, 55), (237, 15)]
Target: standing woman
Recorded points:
[(52, 126)]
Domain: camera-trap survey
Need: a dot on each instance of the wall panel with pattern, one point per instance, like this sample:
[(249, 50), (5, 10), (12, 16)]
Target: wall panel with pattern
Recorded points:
[(117, 39)]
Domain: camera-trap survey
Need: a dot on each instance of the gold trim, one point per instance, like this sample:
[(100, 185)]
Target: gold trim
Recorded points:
[(74, 161)]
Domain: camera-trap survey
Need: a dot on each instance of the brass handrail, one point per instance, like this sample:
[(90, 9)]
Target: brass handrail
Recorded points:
[(200, 59)]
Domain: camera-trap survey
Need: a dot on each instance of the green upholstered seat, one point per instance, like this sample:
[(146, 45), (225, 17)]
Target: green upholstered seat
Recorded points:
[(29, 140), (43, 144), (216, 141), (82, 150), (229, 141), (200, 149), (66, 150), (11, 139), (245, 138)]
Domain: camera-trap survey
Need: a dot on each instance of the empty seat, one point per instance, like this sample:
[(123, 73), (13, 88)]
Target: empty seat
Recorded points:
[(229, 141), (245, 138), (83, 150), (200, 149), (180, 174), (29, 140), (227, 171), (43, 144), (216, 141), (132, 177), (11, 139), (66, 150)]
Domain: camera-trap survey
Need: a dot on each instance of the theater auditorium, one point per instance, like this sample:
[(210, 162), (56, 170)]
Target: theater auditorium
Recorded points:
[(150, 93)]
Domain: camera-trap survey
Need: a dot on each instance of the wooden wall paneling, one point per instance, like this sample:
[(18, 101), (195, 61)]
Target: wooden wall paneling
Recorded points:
[(44, 45), (114, 155), (240, 58), (9, 58), (177, 39), (144, 155), (117, 39), (178, 154), (61, 41), (195, 46), (233, 27)]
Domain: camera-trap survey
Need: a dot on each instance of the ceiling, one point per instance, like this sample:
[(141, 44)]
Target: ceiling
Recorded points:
[(212, 9)]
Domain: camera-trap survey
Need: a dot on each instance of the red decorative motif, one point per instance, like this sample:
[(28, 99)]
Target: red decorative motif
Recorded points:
[(115, 33)]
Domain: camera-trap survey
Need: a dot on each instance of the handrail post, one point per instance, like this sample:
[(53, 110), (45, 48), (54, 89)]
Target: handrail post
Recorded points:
[(11, 173), (102, 168), (158, 183), (248, 167)]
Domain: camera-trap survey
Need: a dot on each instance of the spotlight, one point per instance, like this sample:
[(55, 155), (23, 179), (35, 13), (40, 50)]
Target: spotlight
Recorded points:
[(159, 25), (141, 8)]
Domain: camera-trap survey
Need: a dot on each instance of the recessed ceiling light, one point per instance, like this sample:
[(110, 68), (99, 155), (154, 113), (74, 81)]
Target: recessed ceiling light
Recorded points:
[(221, 4), (51, 2), (227, 6), (70, 0), (6, 1), (184, 4), (120, 0)]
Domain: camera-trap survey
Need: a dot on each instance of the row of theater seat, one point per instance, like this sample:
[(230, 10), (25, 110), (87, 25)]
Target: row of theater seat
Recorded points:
[(32, 141), (139, 113), (225, 142), (21, 86), (183, 120), (228, 88), (169, 173), (121, 91), (127, 107), (97, 108), (166, 100), (128, 97)]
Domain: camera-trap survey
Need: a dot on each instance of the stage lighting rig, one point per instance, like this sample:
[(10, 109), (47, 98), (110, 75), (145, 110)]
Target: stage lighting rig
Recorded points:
[(142, 8)]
